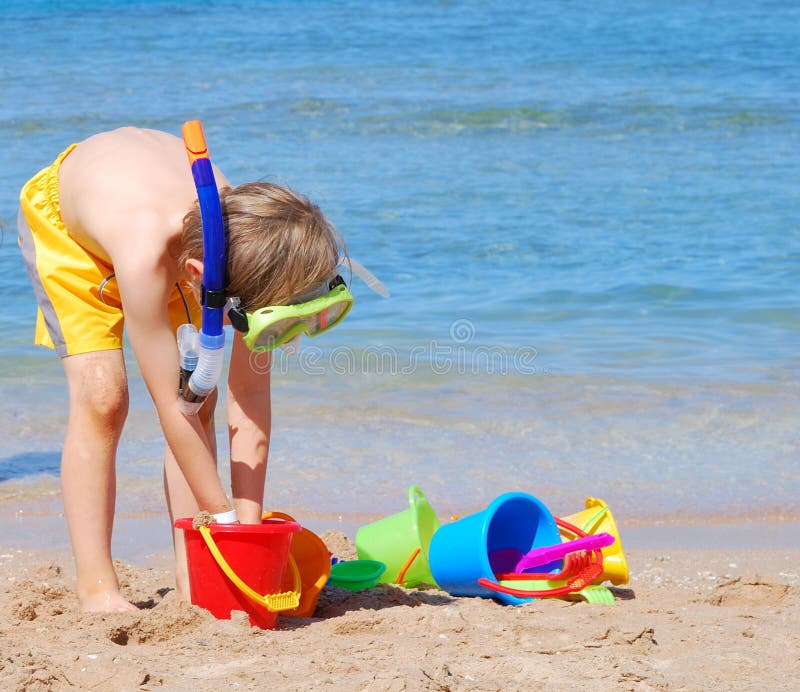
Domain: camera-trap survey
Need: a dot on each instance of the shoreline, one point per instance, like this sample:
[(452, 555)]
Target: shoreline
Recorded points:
[(144, 539)]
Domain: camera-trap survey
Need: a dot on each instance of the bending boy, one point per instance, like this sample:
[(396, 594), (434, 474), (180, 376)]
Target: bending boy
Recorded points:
[(111, 233)]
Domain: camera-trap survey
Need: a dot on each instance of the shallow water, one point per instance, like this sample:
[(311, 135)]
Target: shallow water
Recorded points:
[(587, 219), (350, 445)]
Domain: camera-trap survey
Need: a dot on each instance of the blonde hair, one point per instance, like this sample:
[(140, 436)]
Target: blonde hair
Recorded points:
[(280, 245)]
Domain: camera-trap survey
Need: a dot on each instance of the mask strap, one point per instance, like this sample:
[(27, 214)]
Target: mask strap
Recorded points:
[(236, 315), (372, 281)]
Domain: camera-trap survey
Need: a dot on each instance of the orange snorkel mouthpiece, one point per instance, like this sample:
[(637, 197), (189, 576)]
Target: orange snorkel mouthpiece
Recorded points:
[(195, 141)]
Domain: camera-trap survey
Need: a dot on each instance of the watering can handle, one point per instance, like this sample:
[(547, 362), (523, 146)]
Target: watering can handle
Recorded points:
[(274, 602)]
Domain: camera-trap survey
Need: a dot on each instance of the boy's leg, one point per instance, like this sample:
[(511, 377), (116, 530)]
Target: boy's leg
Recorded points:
[(180, 500), (98, 406)]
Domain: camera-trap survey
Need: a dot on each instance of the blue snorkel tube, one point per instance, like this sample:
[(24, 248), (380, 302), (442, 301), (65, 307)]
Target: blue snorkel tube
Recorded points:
[(202, 356)]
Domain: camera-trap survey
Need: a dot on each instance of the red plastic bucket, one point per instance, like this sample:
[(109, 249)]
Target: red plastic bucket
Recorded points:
[(255, 557)]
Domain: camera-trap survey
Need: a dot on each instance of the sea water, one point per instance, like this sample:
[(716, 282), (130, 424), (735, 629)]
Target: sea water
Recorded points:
[(586, 213)]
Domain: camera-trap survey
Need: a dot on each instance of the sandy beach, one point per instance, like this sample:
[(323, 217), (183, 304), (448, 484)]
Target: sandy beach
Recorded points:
[(588, 223), (688, 619)]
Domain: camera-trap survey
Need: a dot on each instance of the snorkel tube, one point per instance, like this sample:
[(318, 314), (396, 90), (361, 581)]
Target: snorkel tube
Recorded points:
[(202, 355)]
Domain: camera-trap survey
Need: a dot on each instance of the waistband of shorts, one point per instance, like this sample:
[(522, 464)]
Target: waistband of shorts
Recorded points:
[(45, 182)]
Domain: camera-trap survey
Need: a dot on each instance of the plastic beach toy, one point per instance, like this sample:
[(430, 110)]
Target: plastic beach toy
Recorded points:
[(356, 575), (241, 567), (535, 588), (401, 541), (596, 518), (582, 565), (541, 556), (573, 564), (592, 594), (538, 588), (313, 561), (461, 552), (512, 560)]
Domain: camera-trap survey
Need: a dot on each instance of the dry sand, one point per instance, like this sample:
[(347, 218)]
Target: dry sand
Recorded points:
[(689, 619)]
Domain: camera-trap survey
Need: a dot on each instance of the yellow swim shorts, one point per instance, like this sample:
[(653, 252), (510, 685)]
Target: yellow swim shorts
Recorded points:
[(79, 304)]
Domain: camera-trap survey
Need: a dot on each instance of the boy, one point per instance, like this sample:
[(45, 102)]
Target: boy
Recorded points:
[(111, 231)]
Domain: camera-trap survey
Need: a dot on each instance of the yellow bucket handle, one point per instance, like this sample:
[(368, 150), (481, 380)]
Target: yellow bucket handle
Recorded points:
[(274, 602)]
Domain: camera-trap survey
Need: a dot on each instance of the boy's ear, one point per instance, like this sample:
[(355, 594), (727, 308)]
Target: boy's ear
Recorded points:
[(194, 268)]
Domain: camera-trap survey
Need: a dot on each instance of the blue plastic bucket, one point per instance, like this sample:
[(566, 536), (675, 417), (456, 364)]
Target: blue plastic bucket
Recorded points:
[(460, 552)]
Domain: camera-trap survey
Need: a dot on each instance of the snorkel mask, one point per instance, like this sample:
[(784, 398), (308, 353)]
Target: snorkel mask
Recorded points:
[(267, 328), (264, 329)]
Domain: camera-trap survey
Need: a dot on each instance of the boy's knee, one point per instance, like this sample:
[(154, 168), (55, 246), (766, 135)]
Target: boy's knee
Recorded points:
[(103, 392)]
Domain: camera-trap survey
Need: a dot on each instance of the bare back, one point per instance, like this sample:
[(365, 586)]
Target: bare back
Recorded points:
[(124, 194), (123, 197)]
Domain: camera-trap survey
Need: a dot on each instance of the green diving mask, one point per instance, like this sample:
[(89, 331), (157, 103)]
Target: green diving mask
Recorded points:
[(267, 328)]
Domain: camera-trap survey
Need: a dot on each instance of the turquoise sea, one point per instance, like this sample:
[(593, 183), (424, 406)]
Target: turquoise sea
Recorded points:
[(588, 216)]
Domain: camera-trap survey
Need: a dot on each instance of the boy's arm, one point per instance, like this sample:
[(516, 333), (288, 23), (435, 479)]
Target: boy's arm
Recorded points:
[(145, 287), (249, 421)]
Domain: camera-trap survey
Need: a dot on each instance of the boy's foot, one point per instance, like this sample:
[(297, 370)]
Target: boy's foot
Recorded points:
[(110, 601)]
